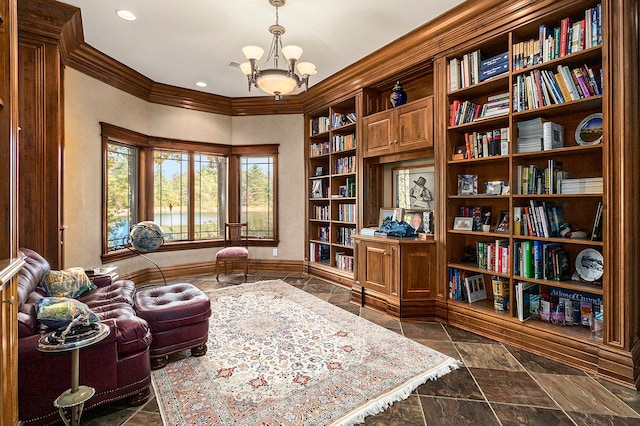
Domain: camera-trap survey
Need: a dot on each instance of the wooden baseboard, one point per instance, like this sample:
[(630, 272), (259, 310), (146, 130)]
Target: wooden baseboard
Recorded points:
[(144, 276)]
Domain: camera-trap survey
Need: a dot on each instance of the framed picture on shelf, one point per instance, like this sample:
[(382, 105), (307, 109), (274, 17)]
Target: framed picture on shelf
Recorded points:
[(319, 171), (413, 187), (463, 223), (476, 289), (467, 184), (415, 218), (389, 215), (316, 188), (502, 225), (427, 222)]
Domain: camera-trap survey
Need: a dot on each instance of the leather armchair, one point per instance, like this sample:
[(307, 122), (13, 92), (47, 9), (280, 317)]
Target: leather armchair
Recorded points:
[(117, 367)]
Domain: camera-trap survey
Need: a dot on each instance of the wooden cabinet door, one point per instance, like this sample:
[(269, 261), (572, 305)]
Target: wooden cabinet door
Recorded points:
[(379, 134), (415, 125), (374, 266), (418, 271)]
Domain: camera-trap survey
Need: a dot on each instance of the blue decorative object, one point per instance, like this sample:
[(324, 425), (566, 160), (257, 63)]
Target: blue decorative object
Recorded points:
[(398, 95)]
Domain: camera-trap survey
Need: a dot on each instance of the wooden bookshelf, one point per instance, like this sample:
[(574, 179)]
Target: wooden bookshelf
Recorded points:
[(577, 345), (332, 144)]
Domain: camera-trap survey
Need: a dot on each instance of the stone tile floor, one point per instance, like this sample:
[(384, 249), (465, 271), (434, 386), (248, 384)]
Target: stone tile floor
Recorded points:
[(498, 384)]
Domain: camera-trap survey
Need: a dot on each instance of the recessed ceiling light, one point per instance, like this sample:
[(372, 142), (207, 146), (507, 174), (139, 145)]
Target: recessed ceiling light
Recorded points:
[(126, 15), (201, 84)]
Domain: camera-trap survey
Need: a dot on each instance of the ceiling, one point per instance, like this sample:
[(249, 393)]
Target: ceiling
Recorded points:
[(182, 42)]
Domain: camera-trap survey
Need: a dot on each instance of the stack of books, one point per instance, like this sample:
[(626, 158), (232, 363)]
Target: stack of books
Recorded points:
[(536, 135), (494, 66), (581, 186)]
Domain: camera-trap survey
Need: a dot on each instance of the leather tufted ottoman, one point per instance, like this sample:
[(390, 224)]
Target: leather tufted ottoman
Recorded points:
[(178, 316)]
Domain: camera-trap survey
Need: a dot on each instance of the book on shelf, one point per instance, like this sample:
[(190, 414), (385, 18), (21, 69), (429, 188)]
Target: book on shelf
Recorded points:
[(343, 142), (475, 287), (500, 290), (527, 300), (323, 234), (533, 179), (596, 232), (457, 289), (494, 255), (344, 261), (541, 260)]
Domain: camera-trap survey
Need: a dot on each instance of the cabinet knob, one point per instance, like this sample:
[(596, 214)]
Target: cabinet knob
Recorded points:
[(385, 253), (10, 301)]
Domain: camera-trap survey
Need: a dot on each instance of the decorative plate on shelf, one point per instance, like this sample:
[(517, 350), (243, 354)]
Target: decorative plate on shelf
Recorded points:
[(589, 264), (589, 131)]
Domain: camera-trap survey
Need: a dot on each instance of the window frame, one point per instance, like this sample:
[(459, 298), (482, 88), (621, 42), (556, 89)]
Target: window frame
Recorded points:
[(146, 146)]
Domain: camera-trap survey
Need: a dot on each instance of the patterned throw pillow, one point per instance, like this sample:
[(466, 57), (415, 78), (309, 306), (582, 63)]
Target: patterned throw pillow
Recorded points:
[(71, 282), (58, 312)]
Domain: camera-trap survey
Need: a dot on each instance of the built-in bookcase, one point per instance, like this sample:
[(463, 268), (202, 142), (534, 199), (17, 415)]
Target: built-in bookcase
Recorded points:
[(523, 146), (332, 146)]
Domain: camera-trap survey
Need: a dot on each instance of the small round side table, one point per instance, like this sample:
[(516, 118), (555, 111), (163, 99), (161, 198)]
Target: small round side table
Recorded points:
[(75, 397)]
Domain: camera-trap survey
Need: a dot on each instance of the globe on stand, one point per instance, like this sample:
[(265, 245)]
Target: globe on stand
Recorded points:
[(146, 236)]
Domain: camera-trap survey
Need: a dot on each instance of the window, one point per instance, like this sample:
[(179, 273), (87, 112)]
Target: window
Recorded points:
[(256, 195), (190, 189), (122, 184)]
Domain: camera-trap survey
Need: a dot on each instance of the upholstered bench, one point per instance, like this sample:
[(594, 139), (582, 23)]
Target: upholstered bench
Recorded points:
[(178, 316)]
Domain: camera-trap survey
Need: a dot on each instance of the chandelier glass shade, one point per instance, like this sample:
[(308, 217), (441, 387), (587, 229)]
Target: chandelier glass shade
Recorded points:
[(276, 81)]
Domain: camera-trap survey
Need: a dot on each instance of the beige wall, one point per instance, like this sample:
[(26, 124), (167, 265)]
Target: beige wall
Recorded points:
[(89, 101)]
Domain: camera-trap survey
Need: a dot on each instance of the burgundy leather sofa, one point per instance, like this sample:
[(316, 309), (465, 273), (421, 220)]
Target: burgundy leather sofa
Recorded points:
[(117, 367)]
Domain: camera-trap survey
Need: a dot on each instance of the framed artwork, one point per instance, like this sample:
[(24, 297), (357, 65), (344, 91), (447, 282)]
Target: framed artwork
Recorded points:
[(502, 226), (415, 218), (476, 289), (319, 170), (413, 187), (389, 215), (463, 223), (467, 184)]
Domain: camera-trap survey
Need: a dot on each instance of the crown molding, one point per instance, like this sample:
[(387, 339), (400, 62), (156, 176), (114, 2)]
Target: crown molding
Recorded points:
[(404, 58)]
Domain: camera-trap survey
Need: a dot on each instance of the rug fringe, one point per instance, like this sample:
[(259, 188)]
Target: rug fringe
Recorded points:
[(385, 401)]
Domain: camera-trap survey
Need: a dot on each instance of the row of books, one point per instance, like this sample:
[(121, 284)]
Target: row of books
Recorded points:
[(345, 235), (344, 165), (544, 87), (556, 42), (318, 149), (339, 119), (541, 260), (319, 252), (344, 261), (323, 234), (321, 213), (494, 255), (557, 305), (539, 219), (539, 135), (462, 112), (471, 69), (534, 179), (320, 125), (347, 212), (486, 144), (343, 142)]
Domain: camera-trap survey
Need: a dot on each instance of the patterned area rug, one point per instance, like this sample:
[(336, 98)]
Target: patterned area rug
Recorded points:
[(280, 356)]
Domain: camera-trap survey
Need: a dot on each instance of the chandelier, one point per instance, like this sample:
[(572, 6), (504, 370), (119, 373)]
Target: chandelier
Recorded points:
[(276, 81)]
